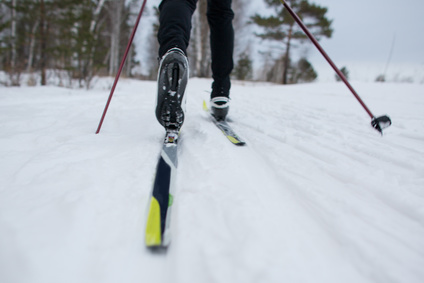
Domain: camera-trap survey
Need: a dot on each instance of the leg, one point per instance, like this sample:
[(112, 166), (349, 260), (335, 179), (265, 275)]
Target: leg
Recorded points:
[(175, 24), (173, 36), (220, 16)]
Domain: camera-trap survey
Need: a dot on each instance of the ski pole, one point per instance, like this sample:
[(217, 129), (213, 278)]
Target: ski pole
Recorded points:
[(118, 74), (378, 123)]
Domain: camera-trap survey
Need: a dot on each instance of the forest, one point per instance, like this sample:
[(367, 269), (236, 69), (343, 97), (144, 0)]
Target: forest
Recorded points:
[(76, 40)]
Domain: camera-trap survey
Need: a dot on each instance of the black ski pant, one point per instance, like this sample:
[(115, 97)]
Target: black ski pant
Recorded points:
[(175, 26)]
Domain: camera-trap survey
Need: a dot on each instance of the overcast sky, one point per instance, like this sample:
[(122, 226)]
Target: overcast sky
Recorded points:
[(363, 34)]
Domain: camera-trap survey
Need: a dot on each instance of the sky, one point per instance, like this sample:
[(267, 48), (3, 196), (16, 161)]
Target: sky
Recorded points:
[(364, 33)]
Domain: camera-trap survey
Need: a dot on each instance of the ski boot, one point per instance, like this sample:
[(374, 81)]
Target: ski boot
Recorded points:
[(220, 99), (220, 106), (172, 81)]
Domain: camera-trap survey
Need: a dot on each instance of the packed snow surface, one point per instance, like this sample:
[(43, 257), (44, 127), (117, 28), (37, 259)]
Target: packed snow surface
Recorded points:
[(317, 195)]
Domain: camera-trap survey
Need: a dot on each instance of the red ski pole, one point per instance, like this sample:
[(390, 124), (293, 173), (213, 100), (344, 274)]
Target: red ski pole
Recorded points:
[(378, 123), (118, 74)]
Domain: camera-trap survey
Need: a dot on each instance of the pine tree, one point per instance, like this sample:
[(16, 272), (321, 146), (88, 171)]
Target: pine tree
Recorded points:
[(303, 72), (345, 72), (243, 69), (282, 27), (62, 35)]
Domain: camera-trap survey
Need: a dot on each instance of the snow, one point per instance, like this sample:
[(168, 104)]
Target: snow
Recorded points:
[(317, 195)]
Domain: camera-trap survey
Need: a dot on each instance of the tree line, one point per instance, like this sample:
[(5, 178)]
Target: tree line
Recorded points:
[(76, 38), (79, 39)]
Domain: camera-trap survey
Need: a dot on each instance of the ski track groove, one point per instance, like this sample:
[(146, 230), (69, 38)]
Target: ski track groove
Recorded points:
[(321, 159), (315, 196), (315, 208)]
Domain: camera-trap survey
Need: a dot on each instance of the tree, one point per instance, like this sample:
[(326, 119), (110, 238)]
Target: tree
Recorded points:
[(80, 37), (345, 72), (199, 48), (153, 47), (115, 9), (282, 27), (15, 81), (243, 69), (380, 78), (303, 72)]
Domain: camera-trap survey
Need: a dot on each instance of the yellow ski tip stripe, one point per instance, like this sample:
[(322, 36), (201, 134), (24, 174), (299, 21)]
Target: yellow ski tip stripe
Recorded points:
[(205, 106), (153, 230), (233, 140)]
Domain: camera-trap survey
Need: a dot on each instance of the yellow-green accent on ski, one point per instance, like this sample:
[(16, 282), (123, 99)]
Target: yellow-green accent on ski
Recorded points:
[(225, 128), (170, 200), (153, 231), (232, 139), (205, 106)]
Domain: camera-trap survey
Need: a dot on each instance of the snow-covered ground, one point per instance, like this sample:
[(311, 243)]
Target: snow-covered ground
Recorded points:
[(317, 195)]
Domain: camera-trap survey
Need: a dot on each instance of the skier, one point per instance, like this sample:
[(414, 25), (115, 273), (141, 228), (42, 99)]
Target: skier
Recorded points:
[(173, 36)]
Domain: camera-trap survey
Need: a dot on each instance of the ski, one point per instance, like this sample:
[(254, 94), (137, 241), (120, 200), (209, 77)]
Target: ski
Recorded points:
[(158, 219), (225, 128)]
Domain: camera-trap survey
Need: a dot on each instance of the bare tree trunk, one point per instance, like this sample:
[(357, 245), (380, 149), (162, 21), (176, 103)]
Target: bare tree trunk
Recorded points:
[(287, 57), (14, 76), (31, 48), (116, 18), (13, 35), (43, 42), (96, 15), (113, 51), (93, 27), (194, 47), (240, 24), (129, 62), (152, 48), (199, 49)]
